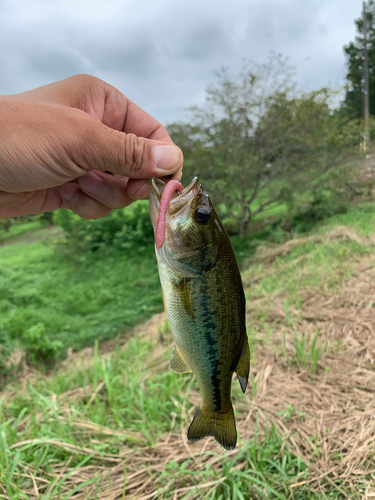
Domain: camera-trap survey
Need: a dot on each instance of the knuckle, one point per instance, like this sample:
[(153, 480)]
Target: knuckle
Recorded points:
[(134, 152), (88, 215), (73, 121), (103, 213), (83, 144), (83, 80), (84, 216), (91, 213), (121, 203)]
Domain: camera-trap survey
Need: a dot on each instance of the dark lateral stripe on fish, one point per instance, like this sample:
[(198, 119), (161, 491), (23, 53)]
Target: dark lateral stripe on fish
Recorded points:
[(210, 336), (216, 384)]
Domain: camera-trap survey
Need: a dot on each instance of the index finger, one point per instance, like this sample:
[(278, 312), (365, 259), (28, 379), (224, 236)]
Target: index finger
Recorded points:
[(103, 102)]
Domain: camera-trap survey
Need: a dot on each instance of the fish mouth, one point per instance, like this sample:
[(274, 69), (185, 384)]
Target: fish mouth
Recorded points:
[(178, 202)]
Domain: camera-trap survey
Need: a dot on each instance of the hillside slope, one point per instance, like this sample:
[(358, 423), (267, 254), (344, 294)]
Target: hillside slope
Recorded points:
[(111, 422)]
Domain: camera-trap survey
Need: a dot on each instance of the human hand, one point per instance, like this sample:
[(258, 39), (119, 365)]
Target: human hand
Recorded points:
[(57, 142)]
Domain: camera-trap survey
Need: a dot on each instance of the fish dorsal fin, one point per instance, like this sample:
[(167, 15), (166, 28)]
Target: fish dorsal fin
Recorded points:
[(178, 363), (243, 367)]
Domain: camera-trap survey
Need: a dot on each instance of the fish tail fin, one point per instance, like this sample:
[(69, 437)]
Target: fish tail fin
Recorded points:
[(221, 426)]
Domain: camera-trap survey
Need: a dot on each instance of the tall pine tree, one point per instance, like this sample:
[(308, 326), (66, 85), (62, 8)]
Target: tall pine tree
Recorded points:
[(353, 103)]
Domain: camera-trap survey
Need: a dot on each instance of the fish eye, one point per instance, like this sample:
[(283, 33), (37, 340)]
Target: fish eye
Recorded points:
[(202, 215)]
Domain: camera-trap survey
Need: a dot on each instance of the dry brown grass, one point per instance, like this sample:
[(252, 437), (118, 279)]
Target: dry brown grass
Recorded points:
[(338, 402), (331, 427)]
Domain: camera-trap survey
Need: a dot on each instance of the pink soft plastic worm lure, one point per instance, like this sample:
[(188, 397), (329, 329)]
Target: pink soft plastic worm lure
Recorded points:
[(169, 189)]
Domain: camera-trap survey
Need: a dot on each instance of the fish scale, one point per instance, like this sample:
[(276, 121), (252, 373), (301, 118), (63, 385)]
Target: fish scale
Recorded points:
[(205, 303)]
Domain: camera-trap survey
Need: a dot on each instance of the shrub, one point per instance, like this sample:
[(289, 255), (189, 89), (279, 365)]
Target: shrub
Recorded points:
[(128, 228), (39, 346), (306, 218)]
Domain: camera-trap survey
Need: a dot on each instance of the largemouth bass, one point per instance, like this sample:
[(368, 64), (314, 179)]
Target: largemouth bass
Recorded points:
[(204, 299)]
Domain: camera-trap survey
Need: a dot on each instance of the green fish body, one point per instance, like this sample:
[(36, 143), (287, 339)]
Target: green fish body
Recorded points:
[(205, 303)]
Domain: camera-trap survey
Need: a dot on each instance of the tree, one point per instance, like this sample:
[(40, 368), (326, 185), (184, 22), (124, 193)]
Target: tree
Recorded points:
[(258, 143), (353, 103)]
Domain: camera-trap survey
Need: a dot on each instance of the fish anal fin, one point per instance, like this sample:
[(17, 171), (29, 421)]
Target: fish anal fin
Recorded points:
[(221, 426), (178, 363), (243, 367)]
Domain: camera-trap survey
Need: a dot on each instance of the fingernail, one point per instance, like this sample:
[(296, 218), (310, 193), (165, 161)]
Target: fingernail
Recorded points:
[(68, 191), (166, 157), (91, 183)]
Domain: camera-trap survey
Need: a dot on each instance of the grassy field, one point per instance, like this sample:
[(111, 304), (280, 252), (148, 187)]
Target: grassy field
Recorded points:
[(19, 229), (110, 421), (49, 305)]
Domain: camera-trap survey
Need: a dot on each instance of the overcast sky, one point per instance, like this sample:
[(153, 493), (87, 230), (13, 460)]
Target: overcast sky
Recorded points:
[(162, 53)]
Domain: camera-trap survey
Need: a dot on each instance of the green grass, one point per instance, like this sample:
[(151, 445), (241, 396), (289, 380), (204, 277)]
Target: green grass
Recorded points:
[(18, 229), (267, 472), (128, 401), (48, 305), (313, 264), (138, 409), (138, 401), (308, 351), (124, 401)]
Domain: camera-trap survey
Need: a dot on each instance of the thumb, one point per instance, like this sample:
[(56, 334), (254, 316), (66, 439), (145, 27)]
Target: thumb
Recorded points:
[(126, 154)]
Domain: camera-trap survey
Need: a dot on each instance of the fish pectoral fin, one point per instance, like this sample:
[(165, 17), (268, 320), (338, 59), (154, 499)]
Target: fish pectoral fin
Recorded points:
[(178, 363), (183, 288), (243, 367), (221, 426)]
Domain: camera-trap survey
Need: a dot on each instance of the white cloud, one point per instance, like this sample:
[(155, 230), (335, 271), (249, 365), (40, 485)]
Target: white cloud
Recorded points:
[(162, 54)]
